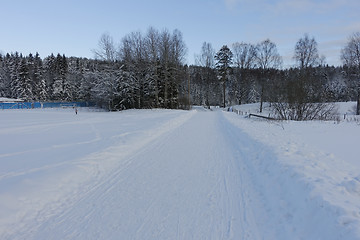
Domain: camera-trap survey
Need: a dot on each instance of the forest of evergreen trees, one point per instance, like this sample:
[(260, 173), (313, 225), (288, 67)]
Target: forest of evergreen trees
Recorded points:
[(148, 71)]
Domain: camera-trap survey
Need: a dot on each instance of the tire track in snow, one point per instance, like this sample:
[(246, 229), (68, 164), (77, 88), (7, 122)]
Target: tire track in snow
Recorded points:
[(238, 177)]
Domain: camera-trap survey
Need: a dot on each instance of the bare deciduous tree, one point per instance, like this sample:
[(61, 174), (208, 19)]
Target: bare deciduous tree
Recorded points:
[(152, 49), (152, 44), (134, 56), (301, 96), (244, 55), (267, 58), (350, 56), (106, 51), (306, 52), (206, 60), (244, 60), (206, 56), (178, 48)]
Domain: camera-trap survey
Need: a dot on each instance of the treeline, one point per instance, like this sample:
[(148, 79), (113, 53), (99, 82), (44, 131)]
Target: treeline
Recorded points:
[(321, 84), (148, 71), (248, 73), (116, 86), (148, 75)]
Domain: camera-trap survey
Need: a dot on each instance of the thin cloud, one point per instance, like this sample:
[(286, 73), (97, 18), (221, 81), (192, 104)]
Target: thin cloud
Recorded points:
[(285, 21), (353, 27), (294, 6), (231, 3)]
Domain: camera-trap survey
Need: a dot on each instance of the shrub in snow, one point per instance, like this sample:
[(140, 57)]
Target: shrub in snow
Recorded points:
[(305, 111)]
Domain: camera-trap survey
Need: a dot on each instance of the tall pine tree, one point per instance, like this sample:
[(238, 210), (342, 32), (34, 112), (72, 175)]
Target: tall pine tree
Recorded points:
[(223, 64)]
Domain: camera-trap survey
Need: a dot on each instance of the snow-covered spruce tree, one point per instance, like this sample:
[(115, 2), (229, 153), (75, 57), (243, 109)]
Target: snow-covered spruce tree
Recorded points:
[(49, 74), (223, 64), (3, 80), (61, 86), (25, 82), (14, 63), (34, 64), (78, 88), (112, 90), (125, 97), (39, 82), (336, 85), (6, 76), (86, 88), (100, 89)]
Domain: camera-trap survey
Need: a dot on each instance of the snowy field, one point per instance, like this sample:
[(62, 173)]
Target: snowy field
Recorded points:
[(166, 174)]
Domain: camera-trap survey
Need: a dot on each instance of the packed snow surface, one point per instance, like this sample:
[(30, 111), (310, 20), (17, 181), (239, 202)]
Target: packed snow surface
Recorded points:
[(165, 174)]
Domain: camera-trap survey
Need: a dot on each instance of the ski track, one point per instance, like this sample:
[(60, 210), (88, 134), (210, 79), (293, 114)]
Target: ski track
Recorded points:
[(195, 176), (45, 187), (190, 182)]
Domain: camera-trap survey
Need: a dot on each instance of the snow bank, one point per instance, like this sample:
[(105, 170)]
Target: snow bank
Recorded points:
[(343, 108), (348, 108), (313, 182)]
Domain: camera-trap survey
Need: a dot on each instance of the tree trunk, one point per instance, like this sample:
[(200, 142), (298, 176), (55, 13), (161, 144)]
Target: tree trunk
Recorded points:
[(358, 104), (157, 93), (166, 94), (224, 93), (261, 98), (139, 96), (188, 76)]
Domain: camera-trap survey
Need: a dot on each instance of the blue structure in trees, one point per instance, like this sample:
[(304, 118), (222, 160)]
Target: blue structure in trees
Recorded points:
[(31, 105)]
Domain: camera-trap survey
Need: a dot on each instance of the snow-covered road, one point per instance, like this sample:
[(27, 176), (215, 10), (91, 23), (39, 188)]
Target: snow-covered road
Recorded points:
[(153, 175), (187, 184)]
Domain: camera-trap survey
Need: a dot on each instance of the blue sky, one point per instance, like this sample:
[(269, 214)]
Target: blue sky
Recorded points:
[(73, 27)]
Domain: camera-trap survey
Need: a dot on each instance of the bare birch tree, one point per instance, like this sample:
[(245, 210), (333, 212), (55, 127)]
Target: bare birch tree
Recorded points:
[(267, 58), (206, 56), (244, 55), (106, 51), (306, 52), (206, 60)]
